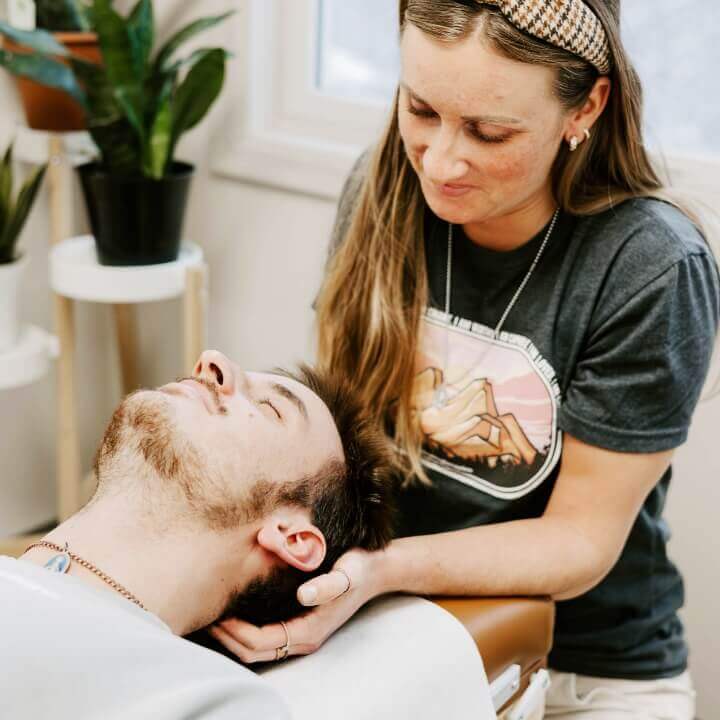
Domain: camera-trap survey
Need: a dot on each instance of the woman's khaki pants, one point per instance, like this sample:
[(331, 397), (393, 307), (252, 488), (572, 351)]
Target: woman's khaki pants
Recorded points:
[(579, 697)]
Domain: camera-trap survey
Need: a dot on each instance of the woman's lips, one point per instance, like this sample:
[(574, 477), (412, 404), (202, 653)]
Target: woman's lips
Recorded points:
[(452, 190)]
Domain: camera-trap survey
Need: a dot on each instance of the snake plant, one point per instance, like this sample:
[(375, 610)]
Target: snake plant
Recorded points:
[(137, 103), (13, 213), (61, 15)]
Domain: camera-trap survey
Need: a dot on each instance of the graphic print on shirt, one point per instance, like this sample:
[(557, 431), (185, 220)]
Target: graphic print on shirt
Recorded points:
[(487, 407)]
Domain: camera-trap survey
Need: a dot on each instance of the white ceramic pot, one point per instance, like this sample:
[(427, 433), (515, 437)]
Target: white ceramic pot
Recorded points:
[(10, 278)]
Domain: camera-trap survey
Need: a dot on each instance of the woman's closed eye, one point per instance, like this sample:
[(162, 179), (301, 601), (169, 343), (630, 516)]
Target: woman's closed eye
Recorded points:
[(474, 131)]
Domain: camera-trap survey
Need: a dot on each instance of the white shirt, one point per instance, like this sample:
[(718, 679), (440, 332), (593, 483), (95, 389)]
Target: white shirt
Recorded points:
[(68, 650)]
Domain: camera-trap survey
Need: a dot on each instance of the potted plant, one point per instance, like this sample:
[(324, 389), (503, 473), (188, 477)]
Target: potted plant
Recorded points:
[(47, 108), (137, 105), (13, 213)]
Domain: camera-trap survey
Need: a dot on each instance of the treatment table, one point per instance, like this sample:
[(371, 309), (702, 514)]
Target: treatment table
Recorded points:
[(408, 657), (513, 636)]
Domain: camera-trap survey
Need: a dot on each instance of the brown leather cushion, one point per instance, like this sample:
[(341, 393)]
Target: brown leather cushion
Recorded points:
[(506, 630)]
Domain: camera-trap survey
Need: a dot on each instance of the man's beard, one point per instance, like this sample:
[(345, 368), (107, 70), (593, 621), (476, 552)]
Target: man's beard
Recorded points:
[(269, 598), (144, 445)]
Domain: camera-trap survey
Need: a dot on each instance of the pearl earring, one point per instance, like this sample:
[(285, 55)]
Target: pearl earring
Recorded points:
[(573, 144)]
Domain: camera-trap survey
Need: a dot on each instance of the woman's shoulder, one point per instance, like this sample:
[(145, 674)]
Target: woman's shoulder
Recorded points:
[(646, 233), (348, 198)]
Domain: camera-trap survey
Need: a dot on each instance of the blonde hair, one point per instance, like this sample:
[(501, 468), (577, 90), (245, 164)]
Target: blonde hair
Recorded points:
[(372, 301)]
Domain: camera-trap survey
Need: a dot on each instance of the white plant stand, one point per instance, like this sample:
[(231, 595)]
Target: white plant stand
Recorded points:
[(76, 275), (29, 360)]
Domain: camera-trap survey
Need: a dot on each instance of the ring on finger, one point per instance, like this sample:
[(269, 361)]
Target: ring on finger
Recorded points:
[(282, 652), (347, 577)]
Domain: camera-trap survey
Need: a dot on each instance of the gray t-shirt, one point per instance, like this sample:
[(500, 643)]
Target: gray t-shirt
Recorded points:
[(610, 341), (71, 652)]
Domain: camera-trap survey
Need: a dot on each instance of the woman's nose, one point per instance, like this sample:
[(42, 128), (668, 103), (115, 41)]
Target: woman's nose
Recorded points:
[(216, 368), (441, 162)]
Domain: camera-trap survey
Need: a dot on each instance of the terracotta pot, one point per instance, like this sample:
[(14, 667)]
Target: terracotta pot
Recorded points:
[(47, 108)]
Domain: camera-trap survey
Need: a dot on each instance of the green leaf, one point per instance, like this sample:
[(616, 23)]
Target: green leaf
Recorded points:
[(193, 58), (44, 70), (183, 35), (82, 15), (118, 145), (39, 40), (99, 92), (141, 31), (6, 179), (157, 150), (119, 63), (18, 215), (157, 82), (107, 122), (197, 92), (61, 15), (130, 100)]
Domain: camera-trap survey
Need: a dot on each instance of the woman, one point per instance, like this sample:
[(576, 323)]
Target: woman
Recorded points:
[(533, 319)]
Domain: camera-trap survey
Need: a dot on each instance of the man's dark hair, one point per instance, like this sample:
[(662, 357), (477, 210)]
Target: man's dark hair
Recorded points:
[(351, 502)]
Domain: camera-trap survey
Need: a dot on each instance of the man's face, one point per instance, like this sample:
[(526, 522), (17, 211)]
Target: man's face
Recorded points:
[(224, 432)]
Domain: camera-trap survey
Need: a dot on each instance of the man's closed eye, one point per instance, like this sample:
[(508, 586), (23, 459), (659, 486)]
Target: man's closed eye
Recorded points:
[(266, 401)]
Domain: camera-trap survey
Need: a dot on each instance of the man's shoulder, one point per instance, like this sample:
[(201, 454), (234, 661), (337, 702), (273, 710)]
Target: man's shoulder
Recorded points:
[(137, 666)]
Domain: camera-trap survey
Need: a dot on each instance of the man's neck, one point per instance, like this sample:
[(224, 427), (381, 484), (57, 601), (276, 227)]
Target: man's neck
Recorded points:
[(182, 575), (510, 231)]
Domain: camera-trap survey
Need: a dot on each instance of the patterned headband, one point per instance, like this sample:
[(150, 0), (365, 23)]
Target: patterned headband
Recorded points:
[(569, 24)]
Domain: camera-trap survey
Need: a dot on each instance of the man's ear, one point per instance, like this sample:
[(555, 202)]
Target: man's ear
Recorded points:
[(294, 539)]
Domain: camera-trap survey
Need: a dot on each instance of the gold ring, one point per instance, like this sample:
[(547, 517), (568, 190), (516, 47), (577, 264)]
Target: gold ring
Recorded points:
[(282, 652), (347, 577)]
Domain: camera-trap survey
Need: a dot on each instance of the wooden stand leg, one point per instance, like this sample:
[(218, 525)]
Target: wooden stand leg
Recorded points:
[(195, 315), (68, 455), (126, 332), (68, 451)]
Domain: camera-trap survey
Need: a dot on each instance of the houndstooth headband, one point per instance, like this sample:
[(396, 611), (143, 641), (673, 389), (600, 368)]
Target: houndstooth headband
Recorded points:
[(569, 24)]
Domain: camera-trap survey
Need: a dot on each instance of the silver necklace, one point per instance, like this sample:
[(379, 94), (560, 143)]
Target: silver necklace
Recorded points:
[(440, 396)]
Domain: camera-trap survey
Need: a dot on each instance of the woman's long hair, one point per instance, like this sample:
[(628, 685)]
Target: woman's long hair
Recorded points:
[(372, 301)]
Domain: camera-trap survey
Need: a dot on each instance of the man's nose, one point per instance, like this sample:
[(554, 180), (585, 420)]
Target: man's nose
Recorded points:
[(216, 368)]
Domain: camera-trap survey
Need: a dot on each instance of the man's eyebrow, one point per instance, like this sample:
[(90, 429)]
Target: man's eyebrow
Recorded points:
[(487, 119), (288, 394)]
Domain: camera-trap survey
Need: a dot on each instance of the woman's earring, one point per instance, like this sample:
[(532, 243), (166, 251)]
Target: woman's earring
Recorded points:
[(587, 133), (573, 144)]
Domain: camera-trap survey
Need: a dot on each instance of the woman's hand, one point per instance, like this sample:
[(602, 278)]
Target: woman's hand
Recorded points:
[(335, 601)]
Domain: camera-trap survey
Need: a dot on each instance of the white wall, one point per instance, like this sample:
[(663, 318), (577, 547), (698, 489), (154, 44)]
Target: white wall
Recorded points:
[(265, 250)]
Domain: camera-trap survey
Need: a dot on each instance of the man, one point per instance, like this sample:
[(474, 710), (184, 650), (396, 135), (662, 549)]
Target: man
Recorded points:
[(217, 495)]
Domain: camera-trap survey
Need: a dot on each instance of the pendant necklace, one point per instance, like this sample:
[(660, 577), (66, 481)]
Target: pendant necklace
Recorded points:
[(441, 395), (61, 564)]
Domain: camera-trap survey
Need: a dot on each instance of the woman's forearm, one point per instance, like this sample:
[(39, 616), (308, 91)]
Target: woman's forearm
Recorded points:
[(540, 556)]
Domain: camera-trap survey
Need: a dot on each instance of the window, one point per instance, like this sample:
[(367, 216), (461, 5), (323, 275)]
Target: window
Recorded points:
[(673, 47), (322, 74), (357, 53)]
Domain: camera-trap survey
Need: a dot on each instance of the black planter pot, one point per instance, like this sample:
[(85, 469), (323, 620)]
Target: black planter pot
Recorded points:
[(136, 220)]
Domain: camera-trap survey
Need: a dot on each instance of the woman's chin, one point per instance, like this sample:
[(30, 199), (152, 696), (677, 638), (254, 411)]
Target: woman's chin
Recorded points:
[(452, 210)]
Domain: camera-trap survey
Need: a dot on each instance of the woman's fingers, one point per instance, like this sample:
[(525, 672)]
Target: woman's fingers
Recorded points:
[(253, 637), (249, 642), (339, 593), (259, 644), (245, 654), (323, 588)]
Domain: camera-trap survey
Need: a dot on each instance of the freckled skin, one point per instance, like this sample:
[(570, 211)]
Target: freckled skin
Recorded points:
[(510, 196)]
